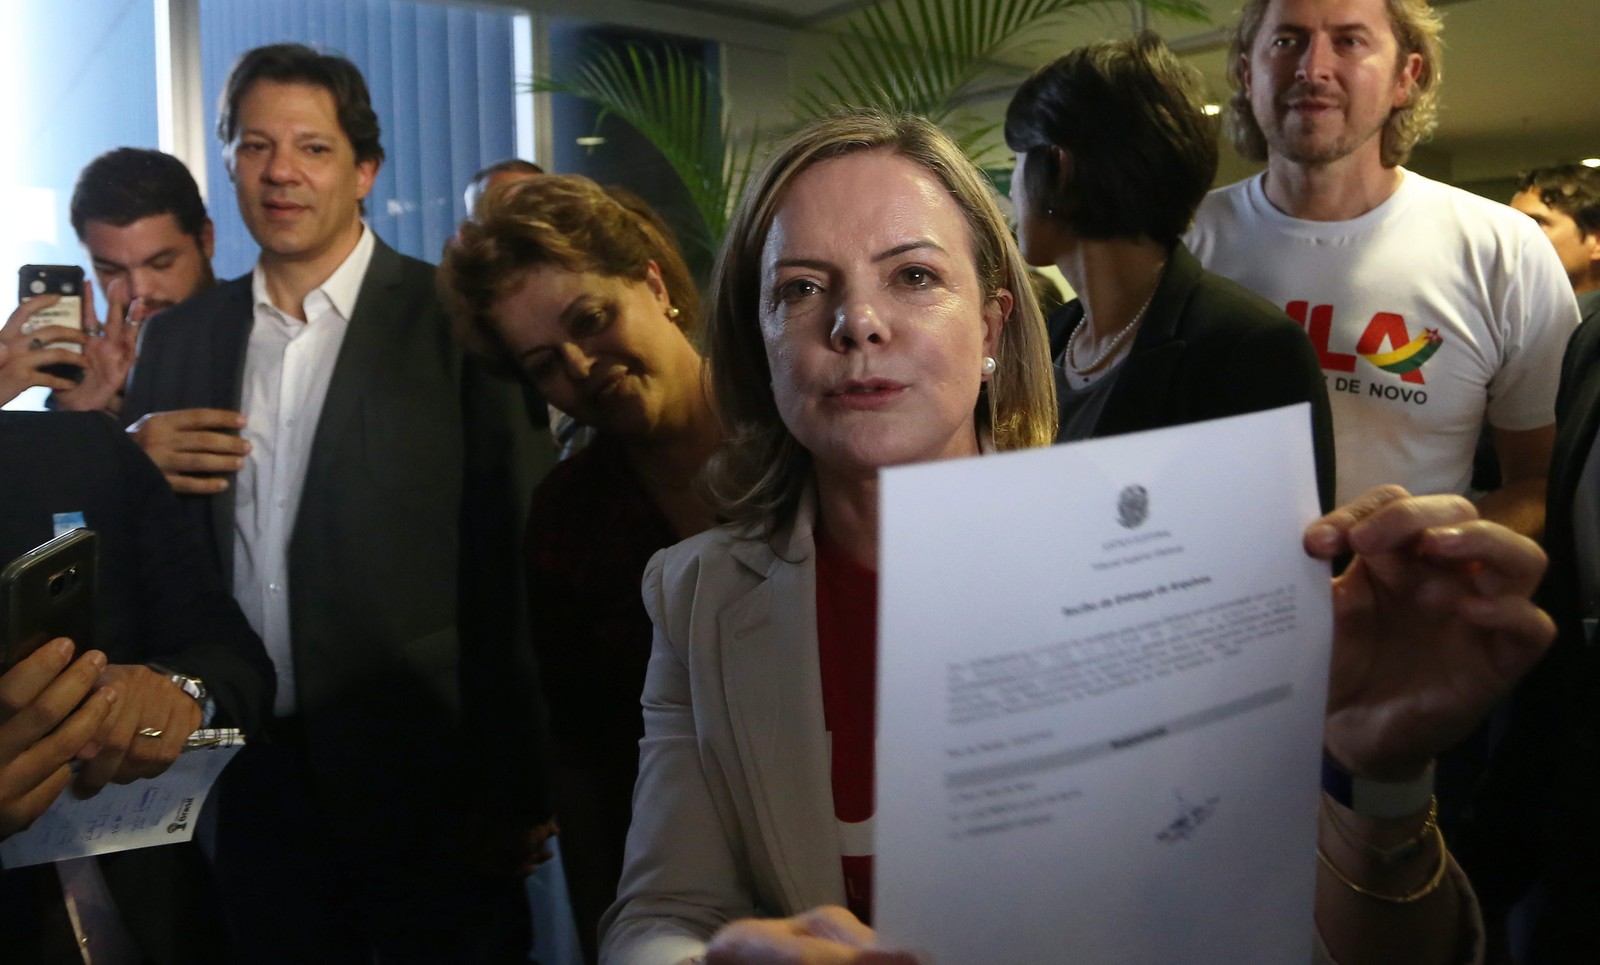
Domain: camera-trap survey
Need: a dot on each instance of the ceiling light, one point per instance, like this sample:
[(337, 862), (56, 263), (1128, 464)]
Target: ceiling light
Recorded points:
[(591, 141), (1212, 110), (1590, 162)]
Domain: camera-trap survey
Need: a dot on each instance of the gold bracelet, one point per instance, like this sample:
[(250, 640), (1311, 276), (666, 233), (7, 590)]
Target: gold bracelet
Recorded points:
[(1427, 889), (1393, 853)]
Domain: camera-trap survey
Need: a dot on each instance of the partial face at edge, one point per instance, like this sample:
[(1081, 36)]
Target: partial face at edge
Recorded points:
[(1041, 239), (873, 316), (1579, 252)]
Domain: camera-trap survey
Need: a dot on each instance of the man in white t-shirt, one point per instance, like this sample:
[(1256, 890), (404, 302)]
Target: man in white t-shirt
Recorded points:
[(1432, 310)]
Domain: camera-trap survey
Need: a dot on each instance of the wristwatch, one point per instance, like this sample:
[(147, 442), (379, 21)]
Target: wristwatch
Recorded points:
[(193, 686)]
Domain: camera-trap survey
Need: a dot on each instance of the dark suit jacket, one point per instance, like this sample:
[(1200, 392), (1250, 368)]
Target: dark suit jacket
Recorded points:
[(1577, 422), (1533, 821), (1208, 348), (414, 680), (158, 599)]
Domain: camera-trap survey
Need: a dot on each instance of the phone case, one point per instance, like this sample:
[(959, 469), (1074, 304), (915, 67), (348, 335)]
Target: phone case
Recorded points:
[(48, 592), (63, 280)]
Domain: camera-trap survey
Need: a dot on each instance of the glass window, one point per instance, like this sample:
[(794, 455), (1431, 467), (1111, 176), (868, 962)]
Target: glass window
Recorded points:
[(77, 83)]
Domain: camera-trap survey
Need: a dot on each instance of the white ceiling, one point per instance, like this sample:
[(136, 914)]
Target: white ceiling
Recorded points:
[(1519, 87)]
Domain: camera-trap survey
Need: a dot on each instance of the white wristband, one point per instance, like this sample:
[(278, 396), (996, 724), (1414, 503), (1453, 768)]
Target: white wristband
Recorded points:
[(1376, 799)]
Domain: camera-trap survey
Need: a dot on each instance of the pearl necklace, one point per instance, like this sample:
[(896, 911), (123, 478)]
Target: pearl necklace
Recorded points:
[(1111, 346)]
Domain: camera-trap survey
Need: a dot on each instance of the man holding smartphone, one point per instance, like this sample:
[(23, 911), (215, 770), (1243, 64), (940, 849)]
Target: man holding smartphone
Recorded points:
[(363, 484), (171, 651), (139, 215)]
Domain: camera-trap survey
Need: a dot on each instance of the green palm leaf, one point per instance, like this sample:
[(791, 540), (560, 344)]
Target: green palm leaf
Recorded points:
[(665, 96), (918, 56)]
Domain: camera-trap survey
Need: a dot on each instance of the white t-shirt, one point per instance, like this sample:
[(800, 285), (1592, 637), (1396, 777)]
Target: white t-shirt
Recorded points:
[(1430, 312)]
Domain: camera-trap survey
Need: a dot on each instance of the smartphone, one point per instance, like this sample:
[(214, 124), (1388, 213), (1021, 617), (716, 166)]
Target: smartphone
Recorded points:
[(48, 592), (63, 280)]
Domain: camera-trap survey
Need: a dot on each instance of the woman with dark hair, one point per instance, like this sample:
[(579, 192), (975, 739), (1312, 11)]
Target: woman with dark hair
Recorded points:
[(1114, 154), (869, 309), (584, 292)]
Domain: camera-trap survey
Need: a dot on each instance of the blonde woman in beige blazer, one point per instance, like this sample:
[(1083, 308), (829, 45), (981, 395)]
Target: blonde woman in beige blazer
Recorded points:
[(869, 310), (733, 805)]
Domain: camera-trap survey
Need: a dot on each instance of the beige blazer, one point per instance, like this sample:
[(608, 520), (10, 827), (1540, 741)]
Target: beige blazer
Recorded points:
[(733, 810)]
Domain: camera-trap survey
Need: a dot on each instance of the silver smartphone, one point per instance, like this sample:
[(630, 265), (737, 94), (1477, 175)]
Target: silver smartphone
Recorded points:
[(48, 592)]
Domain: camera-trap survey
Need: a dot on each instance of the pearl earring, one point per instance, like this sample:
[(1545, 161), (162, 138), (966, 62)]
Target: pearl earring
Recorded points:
[(988, 365), (673, 312)]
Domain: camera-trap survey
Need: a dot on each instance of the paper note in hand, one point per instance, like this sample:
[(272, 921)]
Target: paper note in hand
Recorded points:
[(161, 810), (1102, 676)]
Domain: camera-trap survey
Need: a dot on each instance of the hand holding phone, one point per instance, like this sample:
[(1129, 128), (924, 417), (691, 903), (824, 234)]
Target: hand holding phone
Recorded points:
[(25, 361), (108, 353), (66, 283), (48, 592), (59, 708)]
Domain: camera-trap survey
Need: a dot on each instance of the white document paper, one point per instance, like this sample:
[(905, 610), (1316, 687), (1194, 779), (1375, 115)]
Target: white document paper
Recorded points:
[(1102, 674), (161, 810)]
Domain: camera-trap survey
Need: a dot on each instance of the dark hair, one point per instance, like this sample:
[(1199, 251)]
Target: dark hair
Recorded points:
[(562, 220), (1045, 292), (1571, 189), (131, 183), (1143, 152), (511, 165), (299, 64), (480, 181)]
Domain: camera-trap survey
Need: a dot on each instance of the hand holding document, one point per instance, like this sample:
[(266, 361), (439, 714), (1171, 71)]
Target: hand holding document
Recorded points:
[(1103, 674), (159, 810)]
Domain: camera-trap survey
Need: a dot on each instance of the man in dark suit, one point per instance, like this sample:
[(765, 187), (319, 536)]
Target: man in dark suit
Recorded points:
[(363, 485), (173, 648), (1531, 829)]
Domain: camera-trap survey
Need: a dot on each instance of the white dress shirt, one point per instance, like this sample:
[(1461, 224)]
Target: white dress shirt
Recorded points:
[(287, 369)]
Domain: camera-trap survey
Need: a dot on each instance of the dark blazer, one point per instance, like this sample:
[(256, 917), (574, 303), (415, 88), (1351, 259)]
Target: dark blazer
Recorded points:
[(1208, 348), (1577, 422), (1533, 820), (413, 676), (158, 599)]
